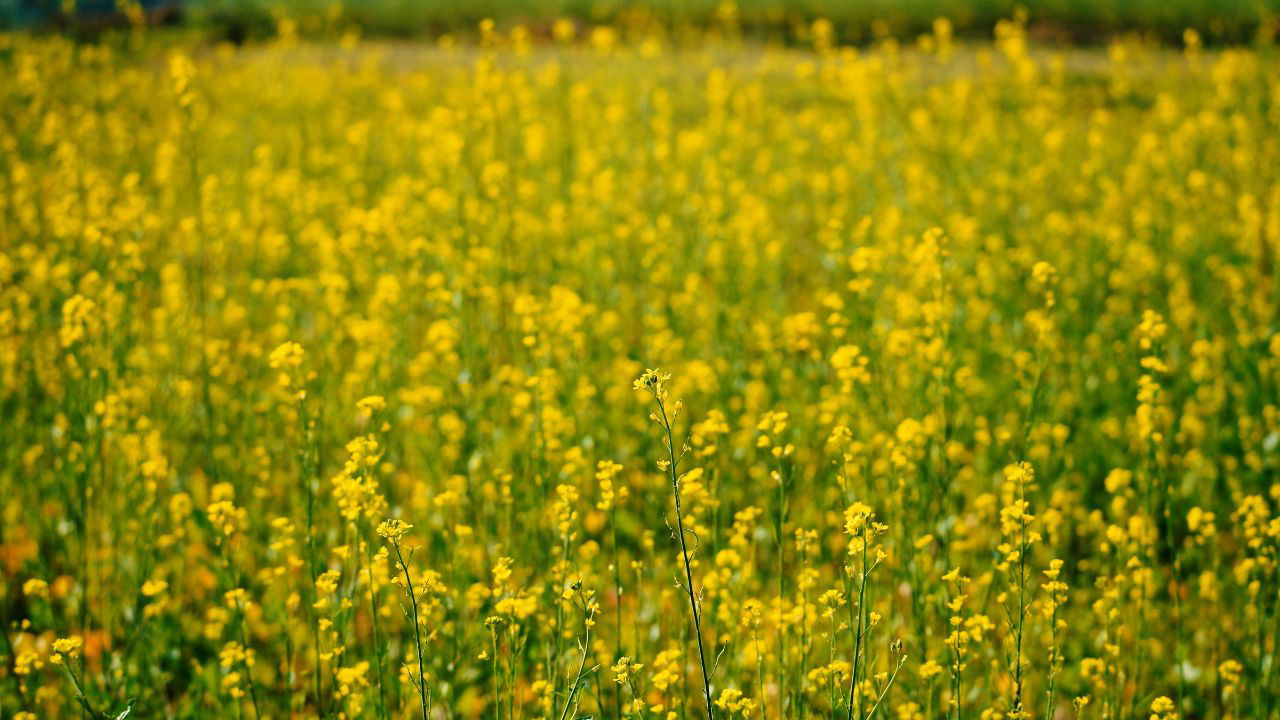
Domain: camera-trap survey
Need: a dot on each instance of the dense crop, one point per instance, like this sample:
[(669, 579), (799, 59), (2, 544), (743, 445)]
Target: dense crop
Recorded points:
[(856, 20), (325, 387)]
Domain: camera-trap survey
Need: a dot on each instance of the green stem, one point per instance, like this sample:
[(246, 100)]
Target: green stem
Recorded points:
[(684, 552), (417, 630)]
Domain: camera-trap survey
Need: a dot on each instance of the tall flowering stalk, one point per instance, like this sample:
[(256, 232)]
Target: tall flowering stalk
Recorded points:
[(1056, 590), (392, 530), (1017, 540), (584, 601), (864, 557), (654, 383)]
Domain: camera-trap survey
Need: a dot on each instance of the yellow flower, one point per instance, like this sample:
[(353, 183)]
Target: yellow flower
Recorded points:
[(151, 588), (624, 669), (68, 647), (1162, 708), (231, 685), (393, 529), (370, 405), (26, 662), (35, 588), (287, 355), (652, 380)]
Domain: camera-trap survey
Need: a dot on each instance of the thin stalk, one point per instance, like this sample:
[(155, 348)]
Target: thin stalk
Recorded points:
[(582, 665), (84, 699), (684, 552), (377, 645), (617, 601), (857, 644), (421, 682), (248, 671)]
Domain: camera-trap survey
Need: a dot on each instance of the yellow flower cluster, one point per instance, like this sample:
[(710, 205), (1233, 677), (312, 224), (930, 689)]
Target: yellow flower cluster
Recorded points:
[(326, 387)]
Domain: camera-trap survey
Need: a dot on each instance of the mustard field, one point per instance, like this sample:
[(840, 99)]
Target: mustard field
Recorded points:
[(596, 374)]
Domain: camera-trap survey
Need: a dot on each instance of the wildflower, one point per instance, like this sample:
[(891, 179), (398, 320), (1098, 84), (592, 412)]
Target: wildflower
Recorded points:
[(1162, 708), (67, 647), (370, 405), (231, 685), (606, 471), (79, 318), (393, 529), (29, 661), (287, 355), (624, 669), (35, 588), (152, 588), (653, 381)]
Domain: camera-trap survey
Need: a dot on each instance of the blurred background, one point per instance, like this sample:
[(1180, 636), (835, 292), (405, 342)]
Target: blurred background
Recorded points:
[(856, 21)]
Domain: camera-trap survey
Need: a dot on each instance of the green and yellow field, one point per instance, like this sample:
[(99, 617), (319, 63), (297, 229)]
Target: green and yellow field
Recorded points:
[(326, 388), (854, 20)]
